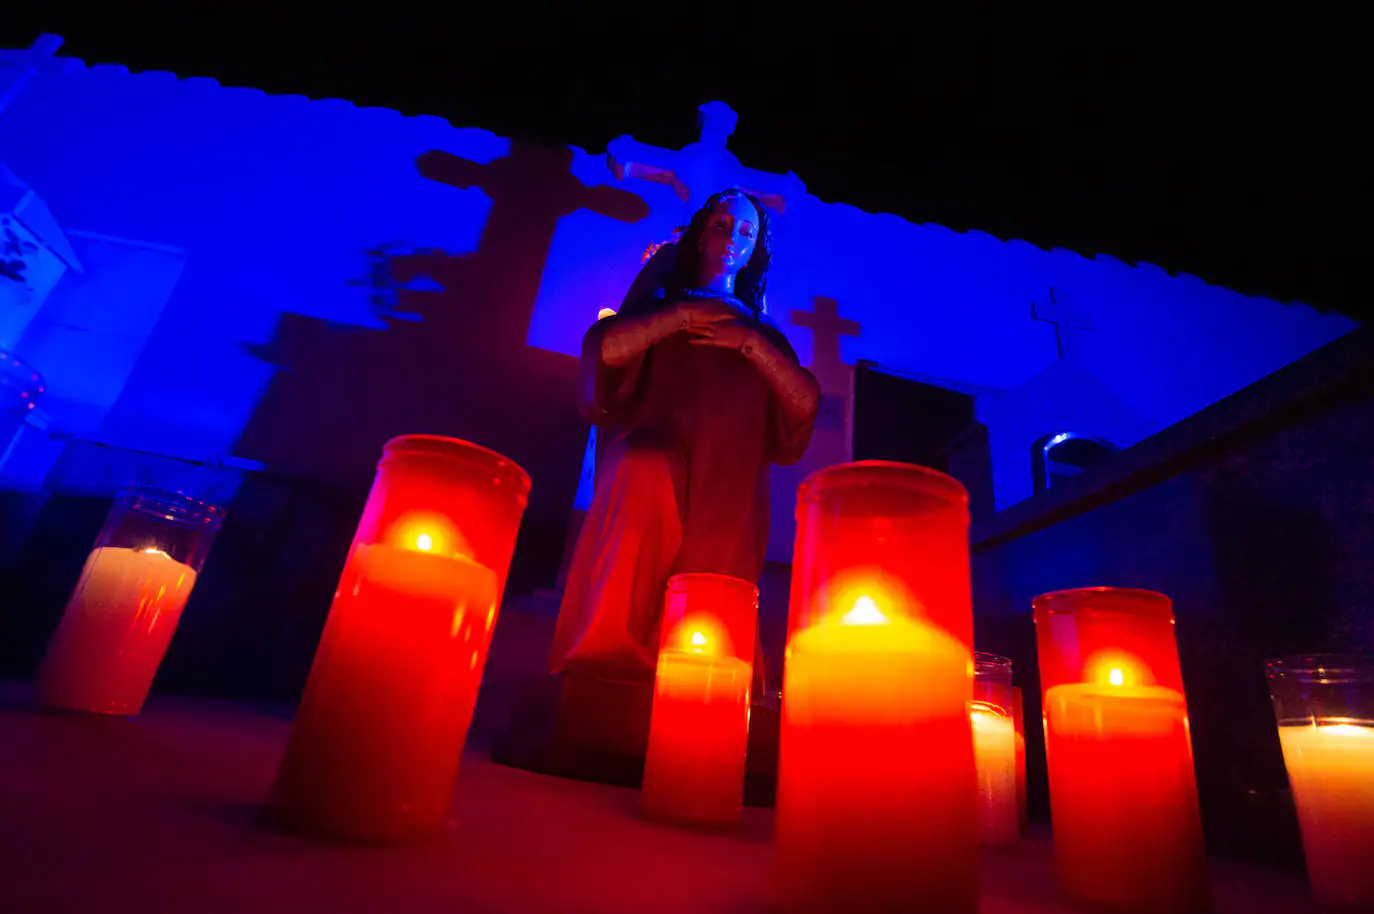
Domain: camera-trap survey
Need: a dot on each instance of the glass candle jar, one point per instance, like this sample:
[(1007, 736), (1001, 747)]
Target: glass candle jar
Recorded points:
[(1019, 721), (1324, 704), (1123, 795), (377, 740), (126, 605), (876, 742), (994, 749), (699, 730)]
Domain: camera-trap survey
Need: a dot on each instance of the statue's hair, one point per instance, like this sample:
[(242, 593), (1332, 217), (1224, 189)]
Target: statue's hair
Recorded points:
[(752, 280)]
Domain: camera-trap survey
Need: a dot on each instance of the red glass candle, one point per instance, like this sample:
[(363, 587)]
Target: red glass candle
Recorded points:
[(126, 605), (876, 783), (699, 731), (1123, 796), (1019, 721), (375, 747)]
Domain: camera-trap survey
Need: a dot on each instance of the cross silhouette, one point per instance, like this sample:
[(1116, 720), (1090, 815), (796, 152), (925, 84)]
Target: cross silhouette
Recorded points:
[(531, 189), (24, 64), (826, 328)]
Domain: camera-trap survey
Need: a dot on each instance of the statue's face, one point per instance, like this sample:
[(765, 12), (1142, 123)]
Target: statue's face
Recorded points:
[(732, 230)]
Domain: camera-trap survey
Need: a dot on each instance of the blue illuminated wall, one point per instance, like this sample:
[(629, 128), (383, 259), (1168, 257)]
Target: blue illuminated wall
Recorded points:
[(290, 281)]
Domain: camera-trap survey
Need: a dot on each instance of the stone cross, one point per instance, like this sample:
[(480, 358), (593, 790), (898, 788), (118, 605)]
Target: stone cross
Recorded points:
[(826, 328), (835, 377)]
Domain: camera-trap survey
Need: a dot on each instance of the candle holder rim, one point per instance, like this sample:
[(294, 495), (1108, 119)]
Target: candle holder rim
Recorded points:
[(1118, 599), (996, 662), (933, 481), (1322, 668), (448, 448), (711, 575), (11, 366), (172, 505)]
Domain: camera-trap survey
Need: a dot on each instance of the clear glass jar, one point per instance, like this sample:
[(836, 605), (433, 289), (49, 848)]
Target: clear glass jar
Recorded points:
[(1324, 705), (20, 389), (994, 749), (126, 605)]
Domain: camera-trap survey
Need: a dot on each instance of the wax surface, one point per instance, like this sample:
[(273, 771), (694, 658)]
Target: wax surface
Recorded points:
[(994, 751), (376, 743), (698, 738), (875, 747), (1123, 797), (1331, 767), (115, 631)]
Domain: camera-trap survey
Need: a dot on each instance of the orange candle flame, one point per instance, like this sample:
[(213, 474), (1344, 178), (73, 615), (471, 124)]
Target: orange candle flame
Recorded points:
[(1114, 668), (428, 532), (865, 612)]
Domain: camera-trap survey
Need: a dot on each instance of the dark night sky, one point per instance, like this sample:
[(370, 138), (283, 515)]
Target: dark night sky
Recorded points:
[(1244, 164)]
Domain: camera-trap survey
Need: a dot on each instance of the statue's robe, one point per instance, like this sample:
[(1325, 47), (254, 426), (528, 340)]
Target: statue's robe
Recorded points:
[(682, 485)]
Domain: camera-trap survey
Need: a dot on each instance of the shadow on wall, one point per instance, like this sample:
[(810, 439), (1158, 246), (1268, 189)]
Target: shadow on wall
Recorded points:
[(452, 362)]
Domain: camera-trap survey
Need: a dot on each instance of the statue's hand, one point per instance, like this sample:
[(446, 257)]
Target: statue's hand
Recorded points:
[(700, 313), (729, 334)]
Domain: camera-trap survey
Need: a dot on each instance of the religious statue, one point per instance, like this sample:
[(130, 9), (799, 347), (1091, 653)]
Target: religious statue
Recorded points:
[(701, 392)]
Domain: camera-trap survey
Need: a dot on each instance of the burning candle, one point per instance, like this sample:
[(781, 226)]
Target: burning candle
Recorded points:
[(1019, 721), (699, 728), (994, 749), (1330, 761), (876, 778), (380, 730), (1127, 832), (867, 697), (126, 605)]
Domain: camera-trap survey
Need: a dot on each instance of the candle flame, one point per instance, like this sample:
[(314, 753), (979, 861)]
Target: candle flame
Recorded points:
[(1117, 668), (153, 550), (700, 633), (865, 612), (429, 532)]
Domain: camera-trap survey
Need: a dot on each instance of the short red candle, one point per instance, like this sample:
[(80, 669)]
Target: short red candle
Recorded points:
[(699, 731), (876, 784), (376, 744), (127, 603), (1123, 796)]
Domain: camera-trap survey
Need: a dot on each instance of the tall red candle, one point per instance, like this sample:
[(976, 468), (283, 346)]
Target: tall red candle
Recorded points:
[(376, 743), (699, 730), (1123, 796), (876, 784)]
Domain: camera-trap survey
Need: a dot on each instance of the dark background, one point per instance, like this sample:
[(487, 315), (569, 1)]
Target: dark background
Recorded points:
[(1237, 157)]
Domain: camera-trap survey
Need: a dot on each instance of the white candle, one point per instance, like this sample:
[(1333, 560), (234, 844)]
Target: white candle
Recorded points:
[(1331, 767), (115, 631), (994, 751)]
